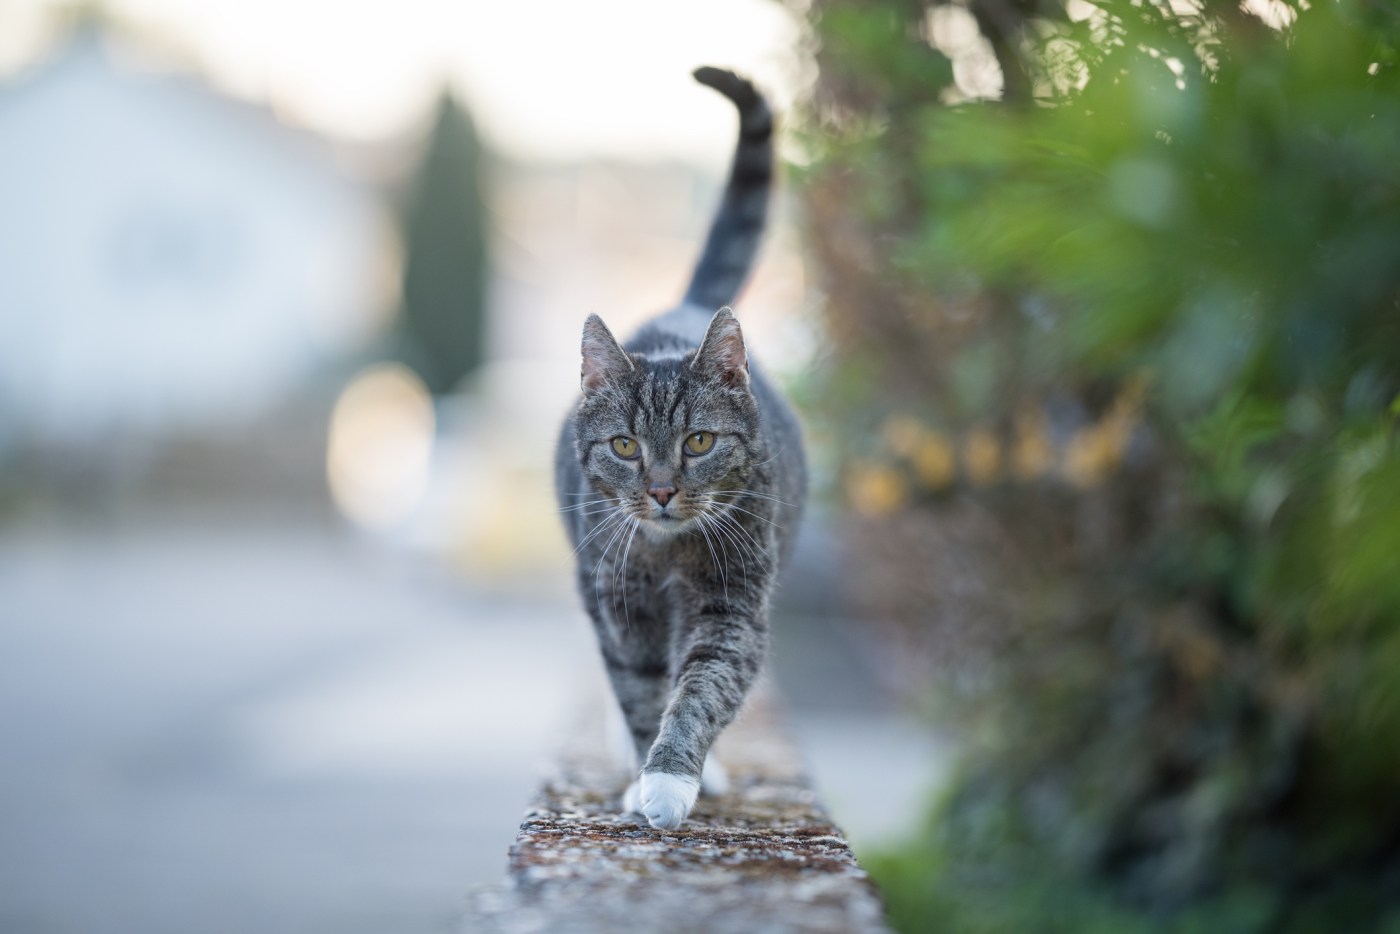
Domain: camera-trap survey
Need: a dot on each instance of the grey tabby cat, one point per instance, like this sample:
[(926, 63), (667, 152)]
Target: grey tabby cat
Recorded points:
[(681, 476)]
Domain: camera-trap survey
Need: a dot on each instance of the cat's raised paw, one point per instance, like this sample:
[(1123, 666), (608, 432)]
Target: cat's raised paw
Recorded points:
[(666, 799)]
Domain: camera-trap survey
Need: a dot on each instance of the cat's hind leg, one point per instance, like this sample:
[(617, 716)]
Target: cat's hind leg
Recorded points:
[(642, 690)]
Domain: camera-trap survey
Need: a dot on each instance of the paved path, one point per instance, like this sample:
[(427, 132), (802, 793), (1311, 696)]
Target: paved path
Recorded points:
[(260, 730)]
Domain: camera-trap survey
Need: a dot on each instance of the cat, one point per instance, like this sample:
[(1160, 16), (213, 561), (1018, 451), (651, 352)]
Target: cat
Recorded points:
[(681, 476)]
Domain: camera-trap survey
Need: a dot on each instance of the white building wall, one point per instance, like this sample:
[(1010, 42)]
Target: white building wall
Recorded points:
[(169, 260)]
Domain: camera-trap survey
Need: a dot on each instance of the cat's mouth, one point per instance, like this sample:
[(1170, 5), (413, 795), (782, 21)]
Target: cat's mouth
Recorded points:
[(667, 519)]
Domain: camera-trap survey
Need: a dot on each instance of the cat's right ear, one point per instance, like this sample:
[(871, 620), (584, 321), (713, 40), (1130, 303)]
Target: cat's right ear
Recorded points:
[(604, 360)]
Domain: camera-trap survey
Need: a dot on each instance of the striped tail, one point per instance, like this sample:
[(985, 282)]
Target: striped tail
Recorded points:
[(734, 235)]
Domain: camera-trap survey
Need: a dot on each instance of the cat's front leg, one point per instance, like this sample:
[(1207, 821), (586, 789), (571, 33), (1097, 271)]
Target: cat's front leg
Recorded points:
[(722, 658), (714, 782)]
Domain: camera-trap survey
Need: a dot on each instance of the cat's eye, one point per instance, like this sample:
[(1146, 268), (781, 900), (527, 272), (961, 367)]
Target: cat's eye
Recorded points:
[(625, 448), (700, 442)]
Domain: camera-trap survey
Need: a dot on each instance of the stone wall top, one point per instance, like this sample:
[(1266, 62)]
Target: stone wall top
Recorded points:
[(765, 857)]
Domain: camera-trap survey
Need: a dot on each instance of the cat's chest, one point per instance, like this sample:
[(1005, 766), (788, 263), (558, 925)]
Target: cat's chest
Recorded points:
[(665, 562)]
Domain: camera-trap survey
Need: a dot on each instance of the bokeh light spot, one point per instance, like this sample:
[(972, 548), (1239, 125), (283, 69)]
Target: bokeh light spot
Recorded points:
[(381, 444)]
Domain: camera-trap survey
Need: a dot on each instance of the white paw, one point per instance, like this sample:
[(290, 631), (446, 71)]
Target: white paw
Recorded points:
[(632, 799), (667, 798), (714, 780)]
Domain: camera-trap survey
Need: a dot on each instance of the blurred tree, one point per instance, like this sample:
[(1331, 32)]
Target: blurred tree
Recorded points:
[(1131, 337), (446, 269)]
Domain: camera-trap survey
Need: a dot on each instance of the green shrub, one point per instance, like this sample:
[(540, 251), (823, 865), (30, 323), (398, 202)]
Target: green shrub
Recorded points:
[(1132, 340)]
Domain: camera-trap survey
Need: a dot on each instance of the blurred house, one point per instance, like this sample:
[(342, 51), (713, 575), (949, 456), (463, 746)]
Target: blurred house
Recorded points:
[(173, 263)]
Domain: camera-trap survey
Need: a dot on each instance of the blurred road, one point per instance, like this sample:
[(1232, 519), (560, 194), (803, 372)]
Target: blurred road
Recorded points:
[(280, 729), (260, 730)]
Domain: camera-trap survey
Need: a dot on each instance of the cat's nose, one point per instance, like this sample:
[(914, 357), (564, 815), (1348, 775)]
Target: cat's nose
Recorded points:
[(662, 494)]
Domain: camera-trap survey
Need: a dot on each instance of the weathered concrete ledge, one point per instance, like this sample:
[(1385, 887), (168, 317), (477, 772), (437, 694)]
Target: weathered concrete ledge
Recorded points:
[(763, 858)]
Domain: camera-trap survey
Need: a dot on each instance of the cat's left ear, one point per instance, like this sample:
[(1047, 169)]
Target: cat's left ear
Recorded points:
[(722, 353), (604, 360)]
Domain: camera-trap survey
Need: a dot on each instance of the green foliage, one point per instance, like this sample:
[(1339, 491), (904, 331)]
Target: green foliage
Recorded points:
[(933, 889), (1193, 709), (447, 264)]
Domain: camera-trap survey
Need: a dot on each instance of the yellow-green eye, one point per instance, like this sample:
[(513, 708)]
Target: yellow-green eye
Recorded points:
[(700, 442), (626, 448)]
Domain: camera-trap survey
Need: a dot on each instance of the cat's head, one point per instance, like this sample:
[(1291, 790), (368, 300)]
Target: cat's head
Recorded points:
[(665, 437)]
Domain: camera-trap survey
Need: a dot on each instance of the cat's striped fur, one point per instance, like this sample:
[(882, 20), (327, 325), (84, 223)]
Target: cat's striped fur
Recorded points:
[(681, 477)]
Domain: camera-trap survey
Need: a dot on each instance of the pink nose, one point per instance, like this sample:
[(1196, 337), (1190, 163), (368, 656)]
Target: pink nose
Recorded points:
[(662, 494)]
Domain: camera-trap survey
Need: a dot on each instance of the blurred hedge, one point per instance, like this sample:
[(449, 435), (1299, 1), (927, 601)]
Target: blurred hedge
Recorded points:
[(1131, 494), (446, 233)]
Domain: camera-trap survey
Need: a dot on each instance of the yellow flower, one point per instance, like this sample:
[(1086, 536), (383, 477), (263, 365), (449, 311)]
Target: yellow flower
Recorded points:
[(1096, 450), (1198, 653), (1093, 452), (903, 434), (926, 450), (982, 457), (1132, 395), (875, 490), (1033, 454), (934, 462)]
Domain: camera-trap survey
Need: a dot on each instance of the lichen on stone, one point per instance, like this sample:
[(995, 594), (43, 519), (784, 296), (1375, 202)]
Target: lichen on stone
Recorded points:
[(763, 857)]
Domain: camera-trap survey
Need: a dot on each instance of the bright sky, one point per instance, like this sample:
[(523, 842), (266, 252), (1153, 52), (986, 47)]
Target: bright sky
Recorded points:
[(546, 78)]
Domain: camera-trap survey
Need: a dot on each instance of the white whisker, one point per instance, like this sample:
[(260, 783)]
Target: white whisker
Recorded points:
[(626, 551), (724, 535), (733, 530), (612, 539), (592, 502), (770, 460), (618, 513), (721, 537), (750, 512), (753, 493), (714, 558), (598, 512)]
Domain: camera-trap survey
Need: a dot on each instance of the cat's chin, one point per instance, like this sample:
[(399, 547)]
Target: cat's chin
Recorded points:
[(661, 527)]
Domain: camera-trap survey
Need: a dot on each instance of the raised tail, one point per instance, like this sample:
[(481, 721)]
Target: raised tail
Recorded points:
[(738, 225)]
